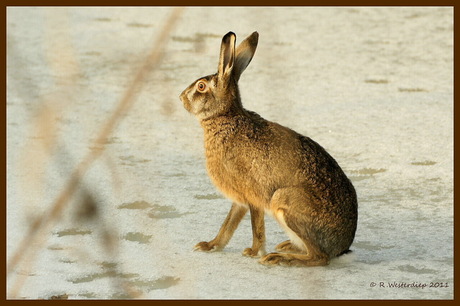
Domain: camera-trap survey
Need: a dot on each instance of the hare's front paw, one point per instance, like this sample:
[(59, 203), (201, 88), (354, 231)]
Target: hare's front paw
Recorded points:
[(253, 253), (205, 246)]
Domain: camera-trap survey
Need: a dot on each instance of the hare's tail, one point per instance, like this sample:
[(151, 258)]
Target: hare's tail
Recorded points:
[(345, 252)]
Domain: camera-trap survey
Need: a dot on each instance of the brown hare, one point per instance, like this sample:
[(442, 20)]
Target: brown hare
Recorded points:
[(268, 168)]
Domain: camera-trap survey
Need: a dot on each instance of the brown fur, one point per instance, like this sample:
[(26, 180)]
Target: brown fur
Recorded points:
[(267, 167)]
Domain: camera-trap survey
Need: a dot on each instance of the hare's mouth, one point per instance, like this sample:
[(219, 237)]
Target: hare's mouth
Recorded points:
[(186, 102)]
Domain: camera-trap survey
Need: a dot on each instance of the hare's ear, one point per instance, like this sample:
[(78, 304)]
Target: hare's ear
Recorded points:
[(244, 54), (227, 56)]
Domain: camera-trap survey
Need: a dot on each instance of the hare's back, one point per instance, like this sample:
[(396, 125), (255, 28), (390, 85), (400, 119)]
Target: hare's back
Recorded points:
[(309, 163)]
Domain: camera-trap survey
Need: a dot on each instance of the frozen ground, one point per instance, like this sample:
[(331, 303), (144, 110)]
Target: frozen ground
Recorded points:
[(374, 86)]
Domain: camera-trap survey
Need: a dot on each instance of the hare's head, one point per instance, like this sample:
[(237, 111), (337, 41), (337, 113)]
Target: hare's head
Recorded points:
[(216, 94)]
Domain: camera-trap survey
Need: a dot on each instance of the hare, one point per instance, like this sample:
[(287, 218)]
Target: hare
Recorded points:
[(265, 167)]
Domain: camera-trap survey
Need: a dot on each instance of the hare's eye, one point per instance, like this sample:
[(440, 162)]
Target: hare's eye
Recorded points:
[(201, 86)]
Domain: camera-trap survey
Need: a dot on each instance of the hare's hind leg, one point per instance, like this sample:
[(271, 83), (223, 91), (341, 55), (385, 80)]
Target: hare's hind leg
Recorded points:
[(287, 246), (306, 251), (226, 231)]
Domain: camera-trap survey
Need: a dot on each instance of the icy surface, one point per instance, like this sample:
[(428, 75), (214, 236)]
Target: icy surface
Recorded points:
[(374, 86)]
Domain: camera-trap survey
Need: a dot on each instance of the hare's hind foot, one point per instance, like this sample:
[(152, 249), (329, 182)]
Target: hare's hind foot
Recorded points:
[(287, 247), (300, 260)]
